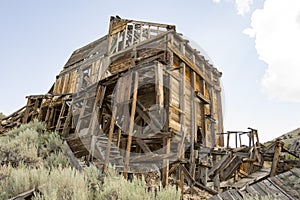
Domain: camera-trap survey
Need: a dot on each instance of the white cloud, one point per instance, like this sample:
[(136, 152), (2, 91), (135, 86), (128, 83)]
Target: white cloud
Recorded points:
[(276, 29), (243, 6), (250, 32)]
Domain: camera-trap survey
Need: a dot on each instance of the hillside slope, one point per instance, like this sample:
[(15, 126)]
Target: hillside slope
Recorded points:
[(290, 137)]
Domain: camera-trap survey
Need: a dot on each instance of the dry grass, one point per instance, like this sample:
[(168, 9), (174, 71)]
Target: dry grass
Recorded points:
[(30, 157)]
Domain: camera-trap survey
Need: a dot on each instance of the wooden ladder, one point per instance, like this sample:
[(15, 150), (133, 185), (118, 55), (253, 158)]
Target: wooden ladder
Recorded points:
[(62, 117)]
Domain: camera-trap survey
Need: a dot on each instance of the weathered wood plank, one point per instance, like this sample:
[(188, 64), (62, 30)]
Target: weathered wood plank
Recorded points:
[(165, 170), (193, 125), (131, 124), (276, 158)]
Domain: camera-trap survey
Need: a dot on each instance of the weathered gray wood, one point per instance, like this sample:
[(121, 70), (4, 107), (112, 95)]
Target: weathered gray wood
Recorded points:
[(188, 175), (82, 110), (182, 115), (230, 168), (193, 125)]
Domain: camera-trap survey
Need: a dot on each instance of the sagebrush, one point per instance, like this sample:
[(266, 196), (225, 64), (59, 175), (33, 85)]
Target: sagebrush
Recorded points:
[(31, 157)]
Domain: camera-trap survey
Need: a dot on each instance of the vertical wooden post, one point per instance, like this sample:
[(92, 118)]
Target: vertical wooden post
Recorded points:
[(228, 138), (117, 45), (159, 85), (51, 116), (119, 137), (36, 105), (193, 125), (181, 184), (212, 114), (131, 124), (236, 140), (132, 38), (165, 171), (220, 119), (182, 114), (125, 38), (25, 117), (47, 114), (67, 122), (181, 150), (276, 158), (202, 110), (217, 177), (203, 173), (92, 148)]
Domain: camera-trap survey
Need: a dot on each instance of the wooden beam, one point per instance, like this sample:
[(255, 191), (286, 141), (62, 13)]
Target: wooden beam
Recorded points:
[(220, 118), (277, 153), (181, 150), (73, 160), (119, 137), (190, 64), (173, 168), (151, 158), (51, 116), (230, 168), (159, 83), (181, 180), (182, 115), (165, 170), (142, 113), (131, 124), (202, 111), (212, 120), (26, 112), (193, 125), (144, 146)]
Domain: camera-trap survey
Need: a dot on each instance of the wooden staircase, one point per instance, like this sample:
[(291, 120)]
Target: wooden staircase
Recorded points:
[(115, 156)]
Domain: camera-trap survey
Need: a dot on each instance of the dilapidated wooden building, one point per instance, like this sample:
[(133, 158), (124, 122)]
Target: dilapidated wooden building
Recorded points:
[(143, 100), (140, 98)]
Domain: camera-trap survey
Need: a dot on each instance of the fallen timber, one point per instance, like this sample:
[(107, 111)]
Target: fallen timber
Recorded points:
[(143, 99)]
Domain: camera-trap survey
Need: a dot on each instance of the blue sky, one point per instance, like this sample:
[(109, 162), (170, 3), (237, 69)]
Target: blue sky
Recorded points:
[(37, 37)]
